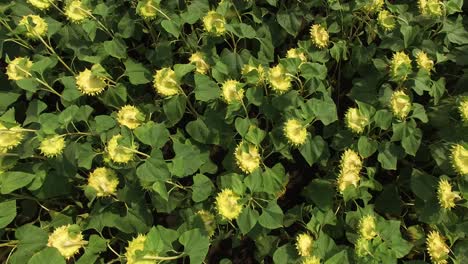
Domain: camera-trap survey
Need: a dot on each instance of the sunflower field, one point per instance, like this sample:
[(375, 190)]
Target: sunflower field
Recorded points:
[(233, 131)]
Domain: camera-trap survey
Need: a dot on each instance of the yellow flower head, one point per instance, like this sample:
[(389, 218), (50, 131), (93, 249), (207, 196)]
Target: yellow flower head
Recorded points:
[(214, 23), (280, 81), (137, 244), (400, 66), (35, 25), (430, 7), (208, 221), (460, 159), (19, 68), (362, 247), (373, 6), (165, 82), (41, 4), (295, 132), (423, 61), (463, 108), (351, 161), (367, 227), (66, 241), (76, 12), (446, 196), (319, 36), (304, 244), (148, 9), (311, 260), (52, 146), (232, 92), (400, 104), (247, 157), (104, 181), (356, 121), (89, 83), (197, 58), (227, 204), (296, 54), (10, 137), (437, 248), (130, 116), (386, 20), (119, 153)]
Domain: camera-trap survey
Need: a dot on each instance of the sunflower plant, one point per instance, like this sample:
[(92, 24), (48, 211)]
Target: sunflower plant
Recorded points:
[(233, 131)]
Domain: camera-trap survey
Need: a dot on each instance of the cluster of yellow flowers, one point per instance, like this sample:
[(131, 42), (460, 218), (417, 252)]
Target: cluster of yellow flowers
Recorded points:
[(386, 20), (258, 69), (52, 146), (319, 36), (208, 221), (459, 158), (10, 137), (446, 196), (118, 152), (227, 204), (296, 54), (130, 116), (400, 66), (400, 104), (137, 244), (19, 68), (35, 25), (104, 181), (463, 109), (373, 6), (247, 157), (90, 83), (367, 232), (437, 248), (214, 23), (75, 10), (279, 79), (350, 168)]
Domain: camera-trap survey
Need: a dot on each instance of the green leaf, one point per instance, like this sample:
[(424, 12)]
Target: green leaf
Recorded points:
[(338, 258), (35, 108), (387, 156), (272, 216), (116, 48), (7, 212), (247, 219), (423, 185), (205, 88), (104, 123), (241, 30), (289, 20), (383, 119), (115, 96), (7, 98), (159, 239), (195, 245), (367, 146), (174, 108), (199, 131), (202, 188), (31, 239), (285, 254), (13, 180), (136, 72), (152, 170), (28, 84), (154, 134), (255, 135), (183, 69), (311, 70), (171, 27), (187, 159), (46, 256), (321, 192), (324, 110), (312, 149)]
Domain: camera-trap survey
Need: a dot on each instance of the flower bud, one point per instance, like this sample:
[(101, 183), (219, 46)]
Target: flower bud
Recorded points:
[(67, 243), (446, 196), (19, 68), (52, 146), (214, 23), (147, 9), (232, 91), (76, 11), (247, 157), (279, 80), (295, 53), (437, 248), (165, 82), (130, 116), (423, 61), (367, 227), (227, 204), (295, 132), (118, 152), (319, 36), (356, 121), (400, 104), (400, 66), (10, 137), (197, 58), (386, 20), (41, 4), (304, 244), (104, 181), (35, 25)]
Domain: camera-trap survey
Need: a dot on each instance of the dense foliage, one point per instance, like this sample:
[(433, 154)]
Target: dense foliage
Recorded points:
[(202, 131)]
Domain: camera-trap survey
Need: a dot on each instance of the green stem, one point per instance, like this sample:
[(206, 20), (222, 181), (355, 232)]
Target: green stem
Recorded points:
[(148, 257), (52, 51)]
